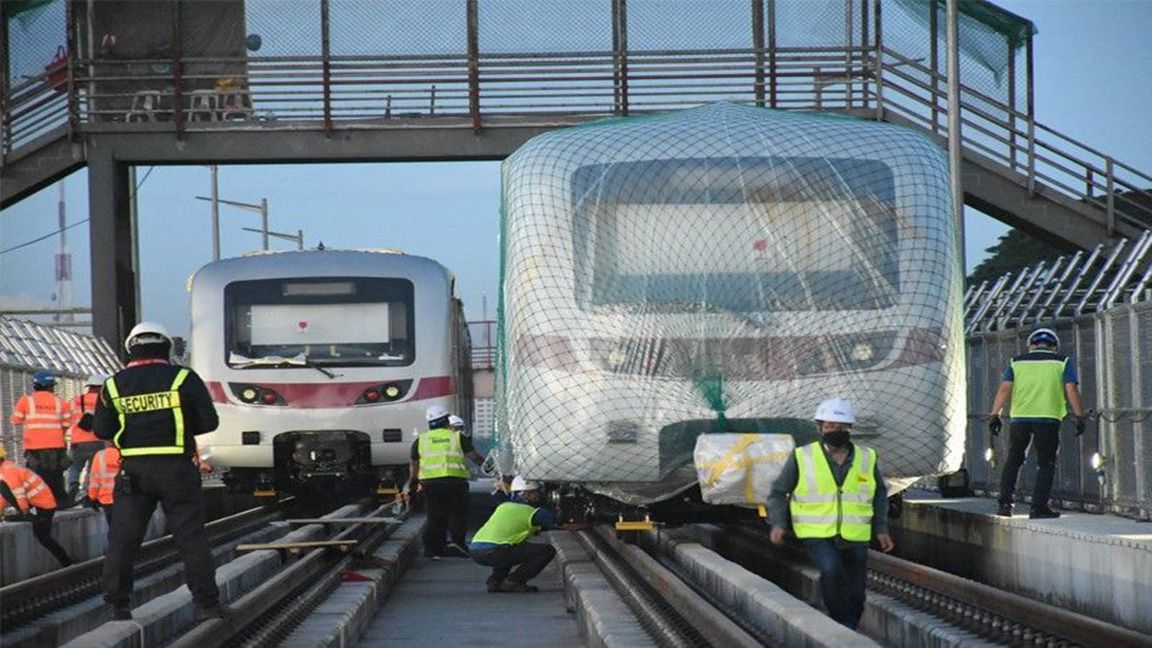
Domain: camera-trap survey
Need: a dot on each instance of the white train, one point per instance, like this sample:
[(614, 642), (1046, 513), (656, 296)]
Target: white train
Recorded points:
[(322, 364), (723, 269)]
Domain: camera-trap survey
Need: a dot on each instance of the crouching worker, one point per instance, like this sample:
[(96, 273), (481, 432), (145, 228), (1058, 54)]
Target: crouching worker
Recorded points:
[(25, 490), (502, 543)]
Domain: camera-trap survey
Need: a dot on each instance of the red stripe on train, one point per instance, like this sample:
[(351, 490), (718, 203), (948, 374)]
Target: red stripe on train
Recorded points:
[(327, 395)]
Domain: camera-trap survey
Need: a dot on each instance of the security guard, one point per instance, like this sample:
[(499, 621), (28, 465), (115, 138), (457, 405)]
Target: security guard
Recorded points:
[(44, 416), (838, 503), (152, 410), (1037, 382), (437, 464)]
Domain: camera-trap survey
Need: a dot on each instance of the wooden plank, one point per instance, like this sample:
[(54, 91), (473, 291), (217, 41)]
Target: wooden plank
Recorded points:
[(297, 546), (361, 520)]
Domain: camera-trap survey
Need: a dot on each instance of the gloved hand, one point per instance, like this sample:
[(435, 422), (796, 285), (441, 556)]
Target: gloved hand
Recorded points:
[(90, 503), (995, 424), (1081, 424)]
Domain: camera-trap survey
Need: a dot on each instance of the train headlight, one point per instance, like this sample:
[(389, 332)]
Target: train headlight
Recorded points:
[(392, 392), (249, 395), (862, 352), (257, 395), (371, 395), (1097, 461)]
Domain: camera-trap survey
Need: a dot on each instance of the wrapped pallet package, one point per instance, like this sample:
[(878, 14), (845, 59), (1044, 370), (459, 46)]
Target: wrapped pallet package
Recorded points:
[(740, 468)]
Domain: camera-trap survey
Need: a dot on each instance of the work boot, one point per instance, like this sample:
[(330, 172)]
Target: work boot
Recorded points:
[(454, 550), (1005, 510), (1043, 513), (494, 585), (208, 612), (516, 586), (120, 612)]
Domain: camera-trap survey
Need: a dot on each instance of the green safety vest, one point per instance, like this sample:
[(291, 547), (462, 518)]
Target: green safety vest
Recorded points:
[(126, 406), (441, 455), (820, 509), (510, 524), (1038, 388)]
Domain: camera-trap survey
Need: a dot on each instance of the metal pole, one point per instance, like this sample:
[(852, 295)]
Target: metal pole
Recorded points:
[(264, 220), (473, 22), (934, 54), (878, 64), (215, 213), (771, 9), (954, 127), (134, 219), (326, 73), (299, 239)]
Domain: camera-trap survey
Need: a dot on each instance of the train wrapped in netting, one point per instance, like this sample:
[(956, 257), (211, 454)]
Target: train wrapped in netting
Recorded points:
[(720, 270)]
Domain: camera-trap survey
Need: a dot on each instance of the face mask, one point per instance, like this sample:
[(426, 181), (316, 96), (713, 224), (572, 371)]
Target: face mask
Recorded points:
[(837, 438)]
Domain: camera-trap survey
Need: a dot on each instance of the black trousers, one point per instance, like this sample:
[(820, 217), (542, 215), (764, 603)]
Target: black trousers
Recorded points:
[(446, 500), (48, 463), (531, 557), (1047, 438), (174, 483), (42, 531)]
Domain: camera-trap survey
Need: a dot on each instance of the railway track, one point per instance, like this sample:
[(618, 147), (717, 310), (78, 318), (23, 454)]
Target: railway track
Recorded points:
[(28, 600)]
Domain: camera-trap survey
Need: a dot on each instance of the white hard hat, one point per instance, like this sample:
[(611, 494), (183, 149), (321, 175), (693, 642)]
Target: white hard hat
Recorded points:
[(1044, 336), (835, 410), (520, 484), (95, 380), (435, 412), (455, 421), (146, 333)]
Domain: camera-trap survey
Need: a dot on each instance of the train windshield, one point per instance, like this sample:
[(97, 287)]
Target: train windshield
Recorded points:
[(303, 322), (745, 235)]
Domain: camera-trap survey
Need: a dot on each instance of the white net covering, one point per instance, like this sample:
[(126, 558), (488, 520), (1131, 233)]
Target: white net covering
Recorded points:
[(721, 270)]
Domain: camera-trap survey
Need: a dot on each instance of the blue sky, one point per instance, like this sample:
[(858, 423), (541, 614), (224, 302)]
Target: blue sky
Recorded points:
[(1093, 61)]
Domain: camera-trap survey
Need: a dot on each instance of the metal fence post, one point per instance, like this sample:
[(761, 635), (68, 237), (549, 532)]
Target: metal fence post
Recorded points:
[(70, 36), (758, 49), (1111, 178), (5, 71), (772, 80), (934, 53), (878, 64), (620, 56), (1031, 122), (474, 64), (326, 67), (177, 70)]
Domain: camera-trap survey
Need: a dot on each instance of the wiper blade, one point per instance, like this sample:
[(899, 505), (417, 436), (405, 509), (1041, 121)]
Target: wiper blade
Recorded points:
[(298, 360)]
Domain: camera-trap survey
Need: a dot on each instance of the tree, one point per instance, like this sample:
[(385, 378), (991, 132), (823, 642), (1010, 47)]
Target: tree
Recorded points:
[(1014, 250)]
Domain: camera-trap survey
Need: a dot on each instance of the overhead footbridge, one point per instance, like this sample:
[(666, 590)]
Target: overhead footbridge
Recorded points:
[(109, 84)]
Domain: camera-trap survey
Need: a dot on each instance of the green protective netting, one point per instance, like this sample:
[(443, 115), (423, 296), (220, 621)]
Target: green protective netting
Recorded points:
[(723, 269)]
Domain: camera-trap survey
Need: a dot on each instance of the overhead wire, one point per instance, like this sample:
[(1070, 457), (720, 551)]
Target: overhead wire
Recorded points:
[(49, 235)]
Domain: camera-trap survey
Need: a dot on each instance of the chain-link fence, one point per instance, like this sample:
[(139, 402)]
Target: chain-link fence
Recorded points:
[(27, 347), (1113, 353)]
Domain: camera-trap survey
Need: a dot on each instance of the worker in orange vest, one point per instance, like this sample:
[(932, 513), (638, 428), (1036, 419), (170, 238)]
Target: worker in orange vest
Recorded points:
[(25, 490), (45, 418), (102, 480), (83, 443)]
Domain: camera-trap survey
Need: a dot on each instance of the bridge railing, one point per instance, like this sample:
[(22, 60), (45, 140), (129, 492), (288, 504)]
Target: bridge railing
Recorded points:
[(330, 80)]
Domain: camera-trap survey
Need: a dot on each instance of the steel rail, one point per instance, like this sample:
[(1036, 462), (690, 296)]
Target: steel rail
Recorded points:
[(27, 600), (250, 613)]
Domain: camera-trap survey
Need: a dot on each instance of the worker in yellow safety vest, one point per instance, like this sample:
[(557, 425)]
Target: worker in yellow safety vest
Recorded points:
[(834, 493), (438, 470)]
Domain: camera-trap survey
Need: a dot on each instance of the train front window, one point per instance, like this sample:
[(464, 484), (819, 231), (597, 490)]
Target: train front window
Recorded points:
[(745, 235), (322, 321)]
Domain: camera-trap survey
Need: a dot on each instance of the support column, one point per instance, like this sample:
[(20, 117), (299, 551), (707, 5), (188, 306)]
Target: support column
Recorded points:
[(114, 307)]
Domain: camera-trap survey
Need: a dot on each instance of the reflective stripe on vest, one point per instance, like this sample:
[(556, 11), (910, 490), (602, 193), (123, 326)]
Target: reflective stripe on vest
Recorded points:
[(1038, 389), (143, 403), (510, 524), (42, 429), (820, 509), (441, 455), (27, 487), (102, 476)]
